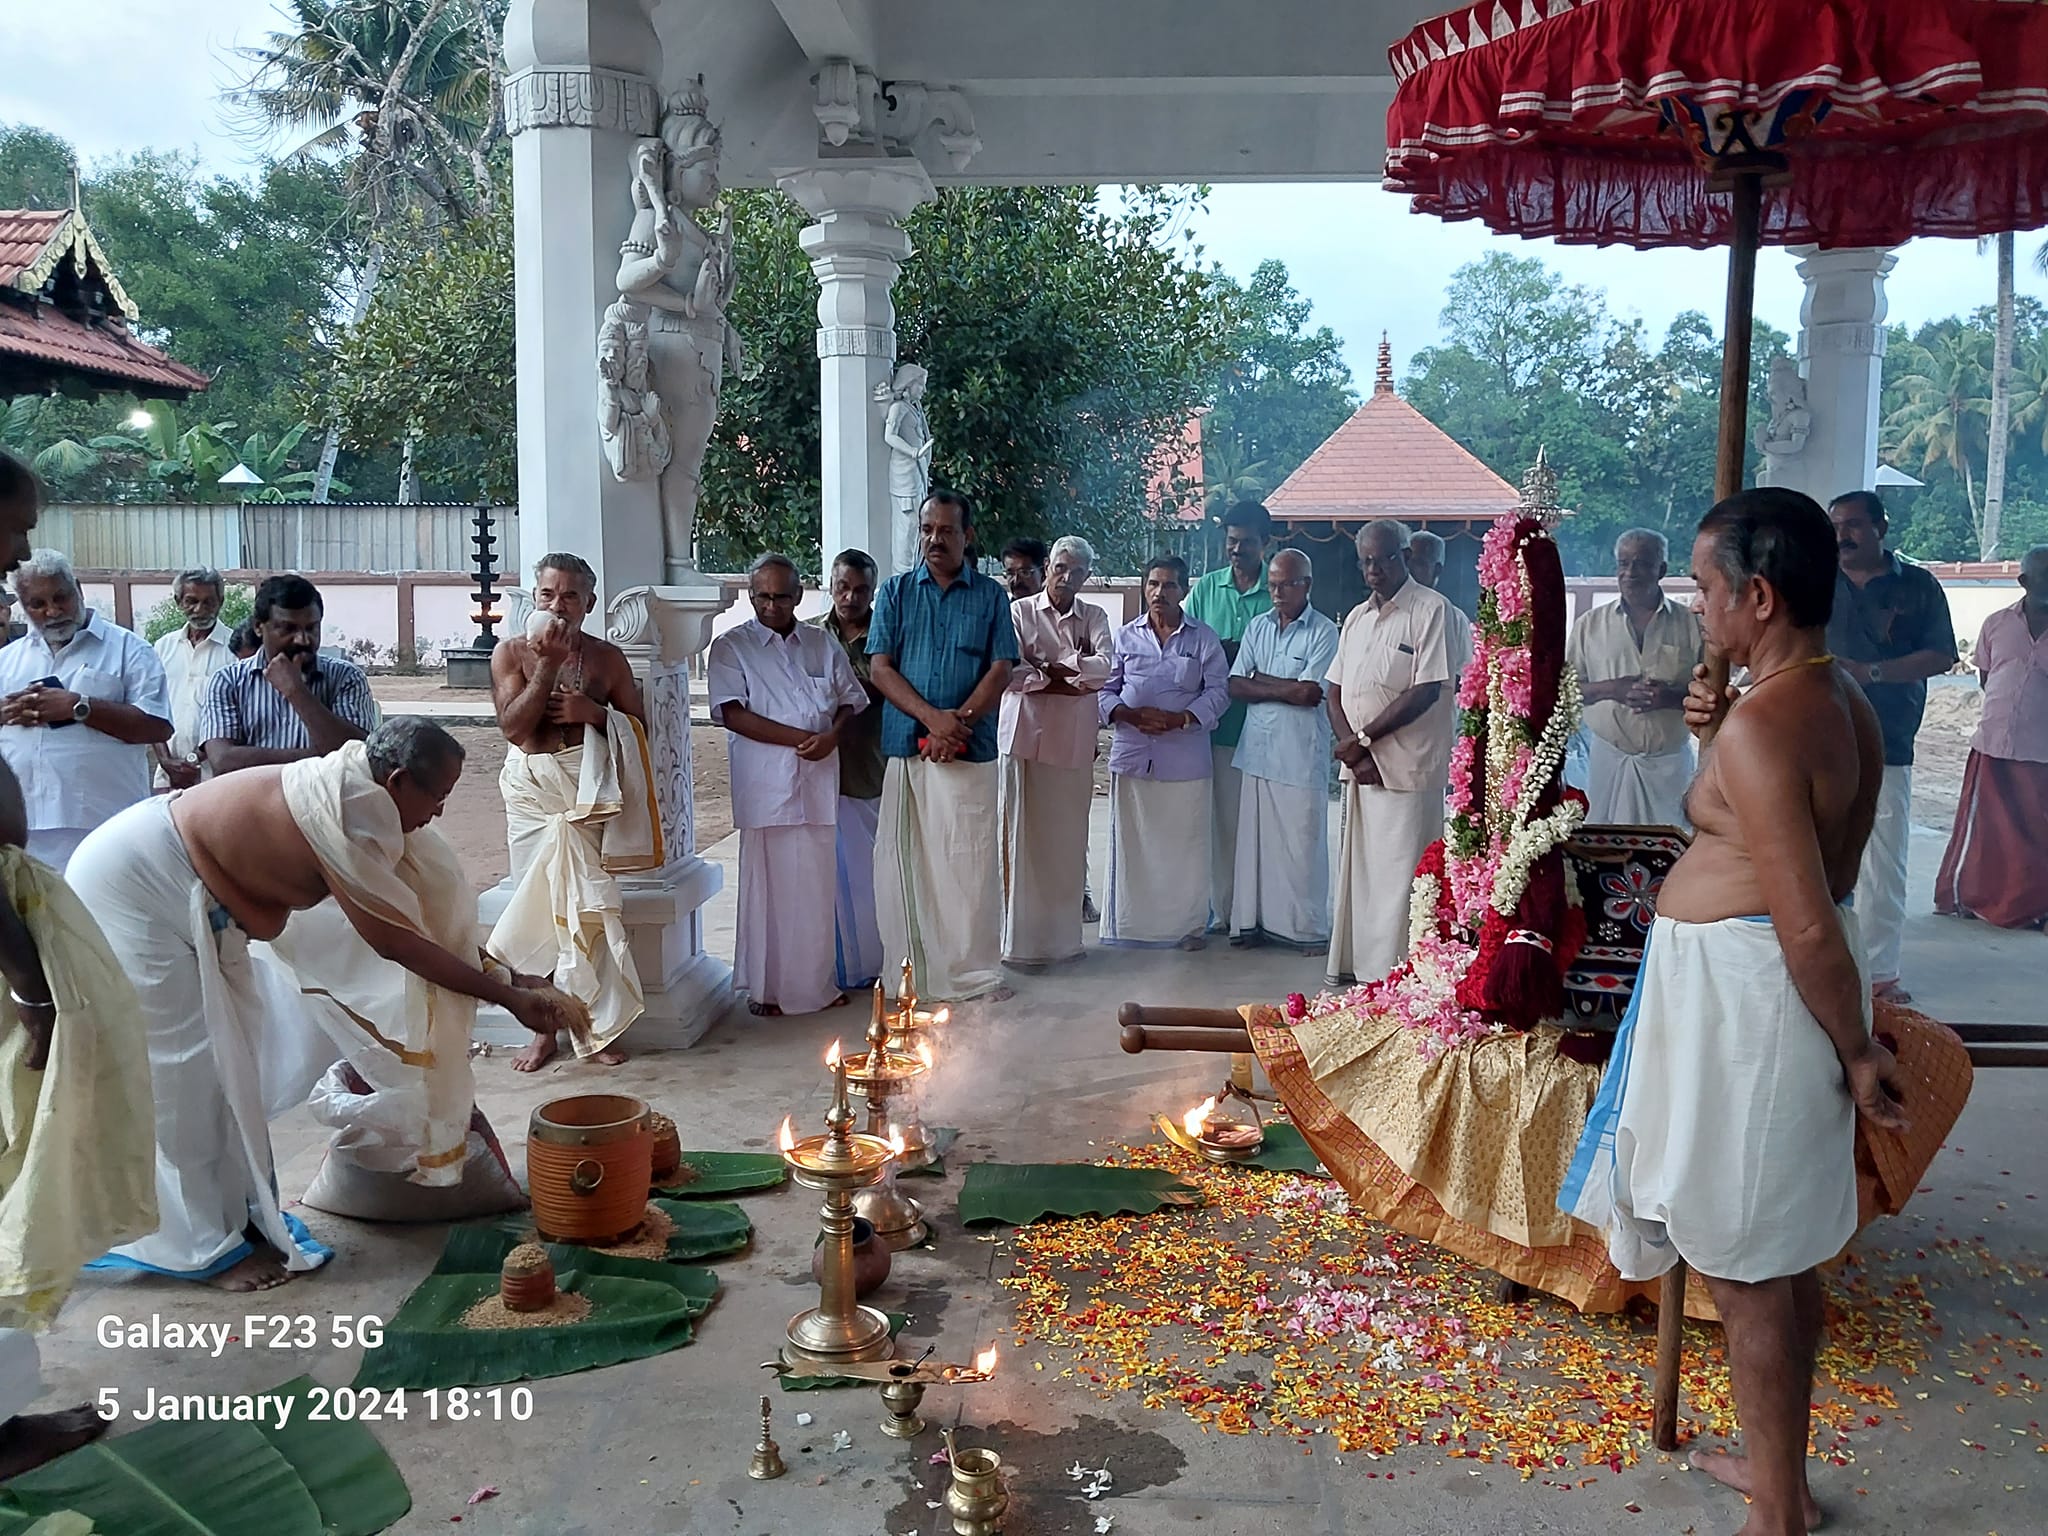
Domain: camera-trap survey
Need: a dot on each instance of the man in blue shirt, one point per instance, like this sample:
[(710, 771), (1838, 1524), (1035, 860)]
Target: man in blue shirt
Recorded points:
[(1890, 631), (1227, 599), (1282, 889), (940, 647)]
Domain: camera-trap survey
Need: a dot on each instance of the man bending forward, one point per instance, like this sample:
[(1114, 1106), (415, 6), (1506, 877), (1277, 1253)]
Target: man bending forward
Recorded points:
[(1724, 1132), (579, 809), (181, 884)]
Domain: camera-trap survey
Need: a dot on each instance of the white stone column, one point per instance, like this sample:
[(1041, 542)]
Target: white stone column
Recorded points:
[(581, 87), (857, 247), (1841, 353)]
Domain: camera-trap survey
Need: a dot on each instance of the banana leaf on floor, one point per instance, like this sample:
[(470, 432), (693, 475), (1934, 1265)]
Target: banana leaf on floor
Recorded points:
[(705, 1229), (725, 1173), (1018, 1193), (640, 1307), (324, 1478)]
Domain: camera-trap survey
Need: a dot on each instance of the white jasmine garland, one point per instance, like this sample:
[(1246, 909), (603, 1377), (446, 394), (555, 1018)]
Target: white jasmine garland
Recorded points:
[(1423, 898)]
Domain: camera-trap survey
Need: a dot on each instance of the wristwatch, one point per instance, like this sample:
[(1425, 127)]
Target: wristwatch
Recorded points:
[(1364, 743), (1871, 674), (81, 709)]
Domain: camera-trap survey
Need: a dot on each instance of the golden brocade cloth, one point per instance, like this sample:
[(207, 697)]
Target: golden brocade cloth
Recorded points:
[(1469, 1151)]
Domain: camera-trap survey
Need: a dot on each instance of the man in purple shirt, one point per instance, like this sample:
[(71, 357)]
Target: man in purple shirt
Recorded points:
[(1168, 686)]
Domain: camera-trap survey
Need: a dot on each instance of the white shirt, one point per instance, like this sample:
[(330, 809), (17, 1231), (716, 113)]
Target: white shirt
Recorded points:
[(1055, 728), (189, 668), (1287, 743), (1385, 649), (74, 775), (798, 680)]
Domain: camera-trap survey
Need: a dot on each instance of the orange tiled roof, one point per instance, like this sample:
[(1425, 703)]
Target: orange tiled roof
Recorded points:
[(42, 343), (1390, 460)]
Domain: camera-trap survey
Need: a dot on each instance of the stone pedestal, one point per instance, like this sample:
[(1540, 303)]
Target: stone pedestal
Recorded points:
[(856, 247), (1841, 353), (469, 666), (687, 989)]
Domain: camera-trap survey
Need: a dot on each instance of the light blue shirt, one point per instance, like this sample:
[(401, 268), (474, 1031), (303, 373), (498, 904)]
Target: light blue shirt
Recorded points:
[(1287, 743)]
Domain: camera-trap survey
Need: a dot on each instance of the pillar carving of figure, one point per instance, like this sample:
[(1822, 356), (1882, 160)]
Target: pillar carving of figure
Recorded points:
[(1841, 357), (1782, 437), (908, 436), (680, 275)]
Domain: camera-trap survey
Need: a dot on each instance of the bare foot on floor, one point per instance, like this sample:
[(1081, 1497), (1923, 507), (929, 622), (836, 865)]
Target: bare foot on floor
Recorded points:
[(1193, 942), (841, 1001), (263, 1270), (29, 1439), (610, 1056), (1890, 992), (1733, 1472), (763, 1010), (539, 1051)]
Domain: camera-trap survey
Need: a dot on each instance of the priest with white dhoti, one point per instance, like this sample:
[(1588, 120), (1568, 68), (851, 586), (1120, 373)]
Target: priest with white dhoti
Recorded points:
[(1281, 892), (1389, 699), (942, 646), (1167, 689), (1634, 659), (181, 897), (784, 693), (1047, 736)]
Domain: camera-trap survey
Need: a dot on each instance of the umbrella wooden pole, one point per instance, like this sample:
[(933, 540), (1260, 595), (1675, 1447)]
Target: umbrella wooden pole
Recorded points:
[(1731, 448)]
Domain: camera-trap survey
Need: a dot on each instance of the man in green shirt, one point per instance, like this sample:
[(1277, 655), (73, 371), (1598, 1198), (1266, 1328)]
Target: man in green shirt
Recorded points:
[(1227, 600)]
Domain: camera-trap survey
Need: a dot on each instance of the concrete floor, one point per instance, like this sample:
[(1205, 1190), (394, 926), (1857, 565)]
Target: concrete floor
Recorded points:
[(661, 1446)]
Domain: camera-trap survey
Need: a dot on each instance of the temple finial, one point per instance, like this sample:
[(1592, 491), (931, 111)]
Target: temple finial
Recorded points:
[(1383, 381)]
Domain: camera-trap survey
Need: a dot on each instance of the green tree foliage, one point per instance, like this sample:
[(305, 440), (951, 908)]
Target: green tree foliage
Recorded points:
[(1531, 362), (1282, 389), (1066, 341), (433, 359)]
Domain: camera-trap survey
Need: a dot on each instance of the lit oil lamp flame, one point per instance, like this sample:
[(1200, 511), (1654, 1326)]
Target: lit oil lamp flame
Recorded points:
[(1193, 1121), (924, 1053), (832, 1058), (896, 1142), (786, 1136), (942, 1016), (985, 1362)]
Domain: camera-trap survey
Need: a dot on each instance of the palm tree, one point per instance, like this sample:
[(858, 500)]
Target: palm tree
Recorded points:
[(2030, 391), (410, 91), (21, 434), (1944, 404), (2000, 430)]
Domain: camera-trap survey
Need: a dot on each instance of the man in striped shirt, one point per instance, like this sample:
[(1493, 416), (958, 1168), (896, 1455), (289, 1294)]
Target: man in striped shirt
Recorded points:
[(286, 702)]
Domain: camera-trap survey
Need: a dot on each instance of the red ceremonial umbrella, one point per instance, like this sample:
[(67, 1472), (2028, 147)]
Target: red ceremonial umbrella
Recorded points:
[(1725, 122)]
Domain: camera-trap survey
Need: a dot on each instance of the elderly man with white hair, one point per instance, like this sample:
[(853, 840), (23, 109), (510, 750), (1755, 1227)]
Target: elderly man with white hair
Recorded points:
[(1282, 888), (1634, 659), (191, 654), (1046, 736), (1389, 699), (82, 702)]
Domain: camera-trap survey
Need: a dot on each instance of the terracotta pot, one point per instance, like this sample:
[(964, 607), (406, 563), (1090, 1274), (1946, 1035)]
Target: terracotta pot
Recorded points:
[(526, 1287), (589, 1166), (870, 1259), (668, 1148)]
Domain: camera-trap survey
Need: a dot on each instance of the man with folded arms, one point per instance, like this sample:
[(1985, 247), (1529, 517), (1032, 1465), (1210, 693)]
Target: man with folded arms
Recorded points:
[(1047, 735)]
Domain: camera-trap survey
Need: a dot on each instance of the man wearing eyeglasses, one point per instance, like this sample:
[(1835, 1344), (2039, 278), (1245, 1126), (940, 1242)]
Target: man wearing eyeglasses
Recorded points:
[(785, 693), (1281, 892)]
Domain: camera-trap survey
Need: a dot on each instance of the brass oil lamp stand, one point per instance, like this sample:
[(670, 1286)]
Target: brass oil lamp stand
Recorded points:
[(910, 1034), (838, 1330), (885, 1076)]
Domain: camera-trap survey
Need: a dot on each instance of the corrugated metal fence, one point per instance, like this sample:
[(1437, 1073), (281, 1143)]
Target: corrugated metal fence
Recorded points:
[(272, 536)]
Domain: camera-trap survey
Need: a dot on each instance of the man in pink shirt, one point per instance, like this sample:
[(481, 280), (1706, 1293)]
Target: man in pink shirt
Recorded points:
[(1996, 867), (1047, 739)]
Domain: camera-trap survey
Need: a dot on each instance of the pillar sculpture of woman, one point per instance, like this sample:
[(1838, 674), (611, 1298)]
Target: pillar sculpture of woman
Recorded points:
[(682, 274), (909, 438)]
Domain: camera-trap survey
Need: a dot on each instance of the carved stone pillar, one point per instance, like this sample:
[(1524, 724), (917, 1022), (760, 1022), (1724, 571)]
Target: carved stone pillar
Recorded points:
[(580, 89), (1841, 352), (857, 247)]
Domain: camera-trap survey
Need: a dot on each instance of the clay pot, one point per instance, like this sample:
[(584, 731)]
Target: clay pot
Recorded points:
[(870, 1259), (589, 1166), (668, 1148), (526, 1285)]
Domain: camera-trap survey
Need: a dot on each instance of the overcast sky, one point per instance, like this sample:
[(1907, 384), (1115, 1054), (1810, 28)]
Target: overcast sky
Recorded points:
[(119, 75)]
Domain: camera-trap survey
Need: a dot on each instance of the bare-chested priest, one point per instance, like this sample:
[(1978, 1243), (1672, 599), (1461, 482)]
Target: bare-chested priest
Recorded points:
[(1724, 1132), (182, 884), (579, 807)]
